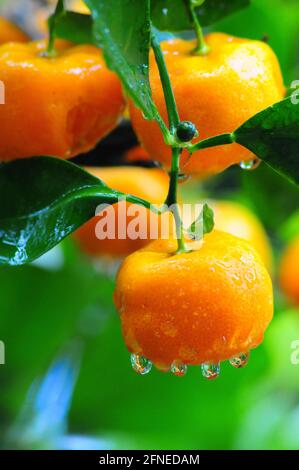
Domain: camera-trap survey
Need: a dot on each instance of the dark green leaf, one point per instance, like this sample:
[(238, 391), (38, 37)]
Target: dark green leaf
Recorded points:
[(122, 30), (75, 27), (273, 135), (45, 200), (174, 15), (203, 224)]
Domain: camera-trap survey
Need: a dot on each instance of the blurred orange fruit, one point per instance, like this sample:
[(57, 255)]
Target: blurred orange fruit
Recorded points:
[(289, 271), (59, 106), (79, 6), (9, 32), (204, 306), (217, 92), (136, 154), (149, 184), (238, 220)]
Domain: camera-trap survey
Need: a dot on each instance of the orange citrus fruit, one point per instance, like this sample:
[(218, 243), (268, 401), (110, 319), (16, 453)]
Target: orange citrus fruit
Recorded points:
[(217, 92), (205, 306), (289, 271), (9, 32), (149, 184), (59, 106)]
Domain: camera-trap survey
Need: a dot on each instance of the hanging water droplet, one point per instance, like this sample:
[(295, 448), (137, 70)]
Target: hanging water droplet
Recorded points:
[(240, 361), (210, 371), (250, 164), (141, 364), (178, 369), (182, 178)]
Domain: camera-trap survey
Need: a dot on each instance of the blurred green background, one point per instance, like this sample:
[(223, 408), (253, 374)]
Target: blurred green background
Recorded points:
[(67, 381)]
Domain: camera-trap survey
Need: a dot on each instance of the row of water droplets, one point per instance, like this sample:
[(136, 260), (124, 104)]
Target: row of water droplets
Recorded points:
[(210, 371)]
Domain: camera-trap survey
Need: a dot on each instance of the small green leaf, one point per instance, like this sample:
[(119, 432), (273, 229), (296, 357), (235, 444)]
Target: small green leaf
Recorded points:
[(75, 27), (203, 224), (273, 135), (170, 15), (45, 200), (122, 29)]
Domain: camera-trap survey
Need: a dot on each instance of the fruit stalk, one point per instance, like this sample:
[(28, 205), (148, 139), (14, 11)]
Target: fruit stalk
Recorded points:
[(174, 120), (201, 48)]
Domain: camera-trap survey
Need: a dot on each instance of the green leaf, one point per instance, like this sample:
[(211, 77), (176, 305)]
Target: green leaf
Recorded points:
[(203, 224), (122, 29), (75, 27), (273, 135), (46, 199), (174, 15)]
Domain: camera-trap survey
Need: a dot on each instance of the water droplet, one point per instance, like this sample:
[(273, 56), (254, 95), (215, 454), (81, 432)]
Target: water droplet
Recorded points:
[(250, 165), (178, 369), (141, 364), (240, 361), (183, 178), (210, 371)]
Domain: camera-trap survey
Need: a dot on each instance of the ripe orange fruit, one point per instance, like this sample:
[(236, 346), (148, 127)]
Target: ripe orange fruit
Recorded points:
[(200, 307), (238, 220), (217, 92), (59, 106), (149, 184), (9, 32), (289, 271)]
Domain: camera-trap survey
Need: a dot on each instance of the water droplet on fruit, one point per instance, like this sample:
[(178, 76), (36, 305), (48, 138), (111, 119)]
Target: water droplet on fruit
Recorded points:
[(183, 178), (240, 361), (250, 165), (141, 364), (210, 371), (178, 369)]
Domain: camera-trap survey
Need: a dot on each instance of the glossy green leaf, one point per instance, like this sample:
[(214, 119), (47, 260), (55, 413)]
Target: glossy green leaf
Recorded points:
[(174, 15), (75, 27), (273, 135), (45, 200), (122, 29), (203, 224)]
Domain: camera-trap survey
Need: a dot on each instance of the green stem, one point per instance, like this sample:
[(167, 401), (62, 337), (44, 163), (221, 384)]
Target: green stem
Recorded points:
[(51, 52), (174, 120), (172, 198), (59, 12), (222, 139), (172, 111), (201, 48)]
